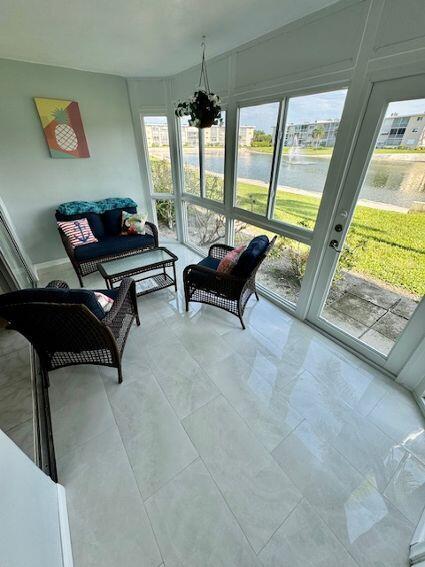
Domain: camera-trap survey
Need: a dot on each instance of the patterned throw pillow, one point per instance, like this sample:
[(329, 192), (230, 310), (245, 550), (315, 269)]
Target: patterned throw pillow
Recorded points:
[(230, 260), (78, 232), (104, 301), (133, 223)]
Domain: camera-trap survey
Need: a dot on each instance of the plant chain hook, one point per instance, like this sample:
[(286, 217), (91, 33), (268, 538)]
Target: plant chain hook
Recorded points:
[(204, 74)]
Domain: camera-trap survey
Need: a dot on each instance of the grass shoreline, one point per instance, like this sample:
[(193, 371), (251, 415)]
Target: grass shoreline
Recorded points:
[(389, 246), (329, 151)]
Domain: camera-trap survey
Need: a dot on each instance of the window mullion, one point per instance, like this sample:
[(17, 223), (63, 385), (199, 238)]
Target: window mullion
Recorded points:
[(277, 156), (201, 146)]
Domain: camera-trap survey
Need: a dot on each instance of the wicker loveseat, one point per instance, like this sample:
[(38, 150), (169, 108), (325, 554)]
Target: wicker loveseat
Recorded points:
[(228, 291), (68, 327), (104, 218)]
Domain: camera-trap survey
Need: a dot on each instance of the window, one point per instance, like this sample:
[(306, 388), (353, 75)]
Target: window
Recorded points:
[(203, 159), (257, 128), (190, 154), (306, 155), (204, 227), (158, 149), (213, 160), (283, 269), (166, 218)]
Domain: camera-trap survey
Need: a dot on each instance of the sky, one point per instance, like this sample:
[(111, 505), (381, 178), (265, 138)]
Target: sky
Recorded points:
[(407, 107), (320, 106)]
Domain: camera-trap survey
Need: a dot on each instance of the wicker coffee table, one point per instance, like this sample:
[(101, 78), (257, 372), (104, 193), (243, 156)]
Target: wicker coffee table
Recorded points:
[(147, 261)]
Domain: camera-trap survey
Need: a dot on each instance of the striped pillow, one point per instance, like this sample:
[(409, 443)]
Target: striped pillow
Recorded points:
[(78, 232)]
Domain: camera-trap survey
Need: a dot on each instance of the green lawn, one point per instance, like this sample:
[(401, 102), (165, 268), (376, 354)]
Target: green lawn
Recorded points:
[(394, 243), (328, 151)]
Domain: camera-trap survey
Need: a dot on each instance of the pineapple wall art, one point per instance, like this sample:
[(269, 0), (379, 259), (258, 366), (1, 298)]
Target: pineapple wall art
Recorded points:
[(63, 127)]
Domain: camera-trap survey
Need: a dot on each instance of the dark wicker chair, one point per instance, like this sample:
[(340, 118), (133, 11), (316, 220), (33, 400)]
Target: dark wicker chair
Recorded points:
[(65, 334), (203, 284), (85, 267)]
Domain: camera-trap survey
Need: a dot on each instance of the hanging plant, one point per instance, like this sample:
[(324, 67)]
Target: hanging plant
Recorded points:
[(204, 106)]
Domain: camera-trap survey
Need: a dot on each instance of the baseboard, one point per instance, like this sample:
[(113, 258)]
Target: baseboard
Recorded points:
[(51, 263), (67, 559)]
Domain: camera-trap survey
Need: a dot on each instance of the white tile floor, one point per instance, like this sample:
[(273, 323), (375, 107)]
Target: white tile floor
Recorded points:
[(269, 447)]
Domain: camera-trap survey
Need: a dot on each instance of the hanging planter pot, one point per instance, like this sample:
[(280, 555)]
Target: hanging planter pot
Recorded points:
[(204, 106)]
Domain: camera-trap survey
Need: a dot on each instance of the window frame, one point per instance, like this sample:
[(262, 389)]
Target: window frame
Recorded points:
[(154, 196), (279, 226), (157, 114), (228, 207)]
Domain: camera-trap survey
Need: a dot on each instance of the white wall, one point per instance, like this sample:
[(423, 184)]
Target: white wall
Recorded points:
[(32, 184), (330, 45), (29, 512)]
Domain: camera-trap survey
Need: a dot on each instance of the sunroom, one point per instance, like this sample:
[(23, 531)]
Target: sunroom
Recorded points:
[(165, 167)]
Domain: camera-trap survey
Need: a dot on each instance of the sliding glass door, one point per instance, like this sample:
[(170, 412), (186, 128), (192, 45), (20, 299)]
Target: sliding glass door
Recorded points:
[(371, 285)]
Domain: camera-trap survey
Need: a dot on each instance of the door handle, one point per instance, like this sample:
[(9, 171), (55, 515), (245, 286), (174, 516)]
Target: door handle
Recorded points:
[(334, 244)]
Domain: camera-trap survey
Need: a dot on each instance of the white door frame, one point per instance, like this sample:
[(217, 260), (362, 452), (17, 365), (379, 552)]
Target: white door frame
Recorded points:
[(382, 94)]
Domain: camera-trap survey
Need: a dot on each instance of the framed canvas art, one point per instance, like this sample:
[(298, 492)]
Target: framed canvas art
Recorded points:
[(63, 127)]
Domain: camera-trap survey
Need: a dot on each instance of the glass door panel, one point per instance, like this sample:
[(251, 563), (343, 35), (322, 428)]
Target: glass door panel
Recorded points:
[(380, 275), (311, 127), (256, 140)]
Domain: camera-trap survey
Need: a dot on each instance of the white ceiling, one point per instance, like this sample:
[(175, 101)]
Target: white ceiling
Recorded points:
[(137, 38)]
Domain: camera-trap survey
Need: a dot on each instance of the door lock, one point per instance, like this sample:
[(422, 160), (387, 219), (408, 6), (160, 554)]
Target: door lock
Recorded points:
[(334, 244), (338, 228)]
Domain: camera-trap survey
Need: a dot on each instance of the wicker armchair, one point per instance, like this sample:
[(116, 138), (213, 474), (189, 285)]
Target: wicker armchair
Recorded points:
[(203, 284), (66, 334)]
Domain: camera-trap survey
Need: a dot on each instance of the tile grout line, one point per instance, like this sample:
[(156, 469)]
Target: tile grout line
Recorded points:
[(134, 477), (280, 525), (249, 426), (223, 496), (317, 510), (228, 506), (170, 480)]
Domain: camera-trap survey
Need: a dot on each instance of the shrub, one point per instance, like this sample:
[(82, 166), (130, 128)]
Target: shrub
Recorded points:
[(166, 213), (162, 179)]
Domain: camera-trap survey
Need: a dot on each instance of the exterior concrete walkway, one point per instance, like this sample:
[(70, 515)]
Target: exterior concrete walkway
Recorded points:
[(369, 312)]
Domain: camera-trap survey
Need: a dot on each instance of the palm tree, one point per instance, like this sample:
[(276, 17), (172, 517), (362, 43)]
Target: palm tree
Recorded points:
[(318, 134)]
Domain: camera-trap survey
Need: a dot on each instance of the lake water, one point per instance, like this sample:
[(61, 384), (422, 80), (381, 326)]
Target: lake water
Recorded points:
[(387, 181)]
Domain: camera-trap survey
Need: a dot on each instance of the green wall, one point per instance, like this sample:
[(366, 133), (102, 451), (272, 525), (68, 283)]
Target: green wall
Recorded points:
[(32, 184)]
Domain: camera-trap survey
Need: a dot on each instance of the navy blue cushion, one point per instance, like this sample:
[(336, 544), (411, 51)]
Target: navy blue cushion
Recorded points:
[(112, 245), (52, 295), (94, 220), (203, 279), (250, 256), (112, 220)]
